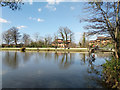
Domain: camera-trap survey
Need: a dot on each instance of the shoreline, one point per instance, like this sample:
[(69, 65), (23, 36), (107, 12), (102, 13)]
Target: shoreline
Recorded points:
[(52, 49), (47, 49)]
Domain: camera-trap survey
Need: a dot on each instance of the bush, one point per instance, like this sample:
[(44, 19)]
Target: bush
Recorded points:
[(23, 49), (111, 72)]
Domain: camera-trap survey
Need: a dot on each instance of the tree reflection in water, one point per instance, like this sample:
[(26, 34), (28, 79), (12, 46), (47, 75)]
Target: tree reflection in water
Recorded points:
[(82, 58), (26, 56), (90, 59), (11, 60), (79, 65), (93, 68), (48, 56), (64, 59), (96, 69)]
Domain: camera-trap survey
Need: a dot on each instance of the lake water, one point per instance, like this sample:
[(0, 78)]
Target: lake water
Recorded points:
[(51, 70)]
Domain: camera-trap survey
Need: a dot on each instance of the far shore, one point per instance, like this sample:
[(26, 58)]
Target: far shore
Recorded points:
[(53, 49)]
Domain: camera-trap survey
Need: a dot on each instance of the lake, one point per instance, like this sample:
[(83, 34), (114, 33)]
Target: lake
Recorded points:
[(52, 69)]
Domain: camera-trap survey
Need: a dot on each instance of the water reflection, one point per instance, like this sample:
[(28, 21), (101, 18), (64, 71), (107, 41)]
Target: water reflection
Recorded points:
[(64, 60), (26, 56), (42, 69), (82, 58), (11, 60), (91, 60)]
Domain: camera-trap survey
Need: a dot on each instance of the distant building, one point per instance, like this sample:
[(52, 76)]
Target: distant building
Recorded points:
[(101, 40), (92, 42), (60, 43)]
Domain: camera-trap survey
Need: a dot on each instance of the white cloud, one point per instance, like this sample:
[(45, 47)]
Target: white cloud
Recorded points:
[(39, 9), (30, 2), (40, 20), (72, 8), (52, 2), (37, 19), (31, 18), (51, 7), (20, 27), (58, 1), (3, 20)]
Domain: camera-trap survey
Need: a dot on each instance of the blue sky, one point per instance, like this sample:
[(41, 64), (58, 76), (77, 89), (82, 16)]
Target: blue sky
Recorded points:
[(45, 18)]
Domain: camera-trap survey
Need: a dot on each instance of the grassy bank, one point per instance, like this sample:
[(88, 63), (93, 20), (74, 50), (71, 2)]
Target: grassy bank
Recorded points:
[(53, 49), (48, 49)]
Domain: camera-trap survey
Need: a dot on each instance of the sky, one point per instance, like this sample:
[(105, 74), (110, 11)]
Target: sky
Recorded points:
[(45, 18)]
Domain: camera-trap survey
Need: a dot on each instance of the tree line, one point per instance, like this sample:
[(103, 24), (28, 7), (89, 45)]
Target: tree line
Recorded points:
[(12, 37)]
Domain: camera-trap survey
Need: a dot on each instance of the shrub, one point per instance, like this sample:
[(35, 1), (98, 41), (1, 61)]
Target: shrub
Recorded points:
[(23, 49), (111, 72)]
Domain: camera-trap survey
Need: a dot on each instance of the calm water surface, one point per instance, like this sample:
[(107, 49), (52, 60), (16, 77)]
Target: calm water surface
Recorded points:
[(51, 70)]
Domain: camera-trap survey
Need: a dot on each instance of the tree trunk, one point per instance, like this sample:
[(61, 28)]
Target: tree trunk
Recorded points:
[(117, 43), (117, 50), (64, 45), (8, 42), (15, 41)]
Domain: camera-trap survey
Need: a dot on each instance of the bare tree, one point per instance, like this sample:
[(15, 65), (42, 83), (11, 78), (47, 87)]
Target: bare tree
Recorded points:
[(12, 4), (47, 40), (66, 34), (26, 39), (40, 43), (36, 36), (105, 19), (80, 44), (55, 40), (84, 40), (7, 36), (15, 34), (61, 32)]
